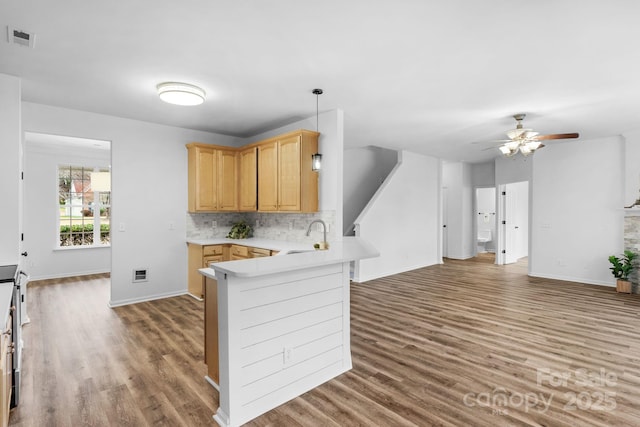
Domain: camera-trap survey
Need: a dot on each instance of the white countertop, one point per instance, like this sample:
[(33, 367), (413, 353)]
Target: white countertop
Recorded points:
[(274, 245), (349, 249)]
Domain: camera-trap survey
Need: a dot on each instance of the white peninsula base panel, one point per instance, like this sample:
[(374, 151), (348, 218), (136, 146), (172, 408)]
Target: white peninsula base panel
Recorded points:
[(283, 325), (280, 336)]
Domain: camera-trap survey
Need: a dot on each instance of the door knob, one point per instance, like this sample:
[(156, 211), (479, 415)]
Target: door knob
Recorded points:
[(24, 253)]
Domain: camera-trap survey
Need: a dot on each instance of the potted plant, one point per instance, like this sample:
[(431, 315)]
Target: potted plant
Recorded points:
[(240, 230), (621, 267)]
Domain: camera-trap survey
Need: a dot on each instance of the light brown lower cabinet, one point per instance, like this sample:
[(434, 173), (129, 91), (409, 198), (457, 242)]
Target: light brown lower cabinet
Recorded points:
[(210, 295), (6, 366), (211, 329), (200, 256)]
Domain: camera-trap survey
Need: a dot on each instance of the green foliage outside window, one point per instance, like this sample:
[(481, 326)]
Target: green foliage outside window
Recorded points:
[(79, 234)]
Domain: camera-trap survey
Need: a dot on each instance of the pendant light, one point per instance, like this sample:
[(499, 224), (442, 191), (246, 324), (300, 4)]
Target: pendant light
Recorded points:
[(316, 159)]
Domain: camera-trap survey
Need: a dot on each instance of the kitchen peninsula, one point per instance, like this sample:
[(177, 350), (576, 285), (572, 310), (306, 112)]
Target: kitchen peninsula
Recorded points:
[(283, 325)]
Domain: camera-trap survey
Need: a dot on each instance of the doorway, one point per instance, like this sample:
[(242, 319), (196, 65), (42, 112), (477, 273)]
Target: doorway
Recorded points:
[(485, 222), (66, 206)]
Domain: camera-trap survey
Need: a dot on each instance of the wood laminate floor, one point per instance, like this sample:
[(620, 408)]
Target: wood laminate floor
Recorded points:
[(466, 343)]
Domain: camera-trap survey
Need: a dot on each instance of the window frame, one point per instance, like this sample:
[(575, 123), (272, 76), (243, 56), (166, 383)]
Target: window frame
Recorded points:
[(96, 205)]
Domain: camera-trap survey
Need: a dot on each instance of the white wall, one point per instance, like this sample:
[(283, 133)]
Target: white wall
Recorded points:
[(631, 167), (149, 194), (9, 169), (483, 174), (577, 220), (45, 259), (365, 169), (461, 236), (330, 145), (402, 220), (514, 169)]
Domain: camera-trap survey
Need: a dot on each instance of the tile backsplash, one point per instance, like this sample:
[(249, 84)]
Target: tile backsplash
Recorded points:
[(291, 227), (632, 243)]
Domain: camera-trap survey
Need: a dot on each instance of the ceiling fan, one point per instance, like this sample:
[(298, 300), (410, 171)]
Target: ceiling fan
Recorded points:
[(526, 141)]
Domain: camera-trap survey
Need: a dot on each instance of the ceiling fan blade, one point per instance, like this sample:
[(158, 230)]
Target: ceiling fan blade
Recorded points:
[(556, 136), (495, 141), (491, 148)]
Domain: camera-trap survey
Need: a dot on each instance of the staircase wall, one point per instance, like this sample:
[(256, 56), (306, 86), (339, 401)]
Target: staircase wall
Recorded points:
[(402, 220), (365, 169)]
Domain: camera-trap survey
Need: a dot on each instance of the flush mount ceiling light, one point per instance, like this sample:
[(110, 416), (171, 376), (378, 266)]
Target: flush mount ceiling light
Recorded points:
[(180, 93)]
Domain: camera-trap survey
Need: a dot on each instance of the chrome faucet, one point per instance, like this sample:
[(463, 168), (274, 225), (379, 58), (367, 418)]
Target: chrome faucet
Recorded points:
[(324, 227)]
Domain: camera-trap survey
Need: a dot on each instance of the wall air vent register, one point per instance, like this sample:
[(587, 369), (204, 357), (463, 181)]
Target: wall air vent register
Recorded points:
[(140, 275), (20, 37)]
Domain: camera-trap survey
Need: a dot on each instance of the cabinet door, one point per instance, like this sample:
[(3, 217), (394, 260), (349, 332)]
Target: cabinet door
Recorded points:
[(268, 177), (6, 367), (227, 180), (195, 280), (211, 329), (5, 399), (248, 180), (289, 174), (206, 179)]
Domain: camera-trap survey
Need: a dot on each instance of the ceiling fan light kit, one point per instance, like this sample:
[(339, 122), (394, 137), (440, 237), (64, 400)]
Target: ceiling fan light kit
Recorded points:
[(526, 141), (180, 93)]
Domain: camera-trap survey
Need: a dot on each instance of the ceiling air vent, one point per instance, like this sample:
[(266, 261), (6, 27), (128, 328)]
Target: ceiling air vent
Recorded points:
[(20, 37)]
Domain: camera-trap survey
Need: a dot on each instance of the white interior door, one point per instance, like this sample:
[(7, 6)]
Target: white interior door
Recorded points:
[(510, 226), (445, 219), (515, 221)]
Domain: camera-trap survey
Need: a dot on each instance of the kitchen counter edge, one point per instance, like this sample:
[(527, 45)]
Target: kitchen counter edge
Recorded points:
[(349, 249)]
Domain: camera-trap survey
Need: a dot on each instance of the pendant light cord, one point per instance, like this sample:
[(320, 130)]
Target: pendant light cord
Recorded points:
[(317, 93)]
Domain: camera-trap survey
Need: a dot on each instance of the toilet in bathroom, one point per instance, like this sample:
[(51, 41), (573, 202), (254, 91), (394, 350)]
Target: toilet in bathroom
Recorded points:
[(484, 236)]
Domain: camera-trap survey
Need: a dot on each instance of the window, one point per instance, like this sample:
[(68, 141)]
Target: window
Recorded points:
[(83, 212)]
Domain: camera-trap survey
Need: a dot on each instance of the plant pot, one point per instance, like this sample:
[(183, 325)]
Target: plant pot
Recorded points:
[(623, 286)]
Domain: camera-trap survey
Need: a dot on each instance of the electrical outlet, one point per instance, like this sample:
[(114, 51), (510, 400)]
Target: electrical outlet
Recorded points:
[(122, 227), (290, 225), (287, 355), (257, 223), (172, 226), (214, 224)]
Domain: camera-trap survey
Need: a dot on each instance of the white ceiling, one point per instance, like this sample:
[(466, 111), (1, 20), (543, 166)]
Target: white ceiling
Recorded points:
[(426, 76)]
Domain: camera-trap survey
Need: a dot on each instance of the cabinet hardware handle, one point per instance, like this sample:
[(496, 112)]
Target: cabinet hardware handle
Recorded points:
[(8, 331)]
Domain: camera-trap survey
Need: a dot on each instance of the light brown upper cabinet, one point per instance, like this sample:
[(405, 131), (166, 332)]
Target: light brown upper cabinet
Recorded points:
[(268, 176), (273, 175), (228, 180), (286, 182), (248, 200), (213, 181)]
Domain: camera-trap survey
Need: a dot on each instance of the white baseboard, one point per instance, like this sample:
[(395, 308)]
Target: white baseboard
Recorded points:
[(145, 298), (194, 297), (572, 279), (212, 382)]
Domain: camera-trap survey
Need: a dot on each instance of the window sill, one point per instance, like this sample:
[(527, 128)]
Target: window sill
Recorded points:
[(75, 248)]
